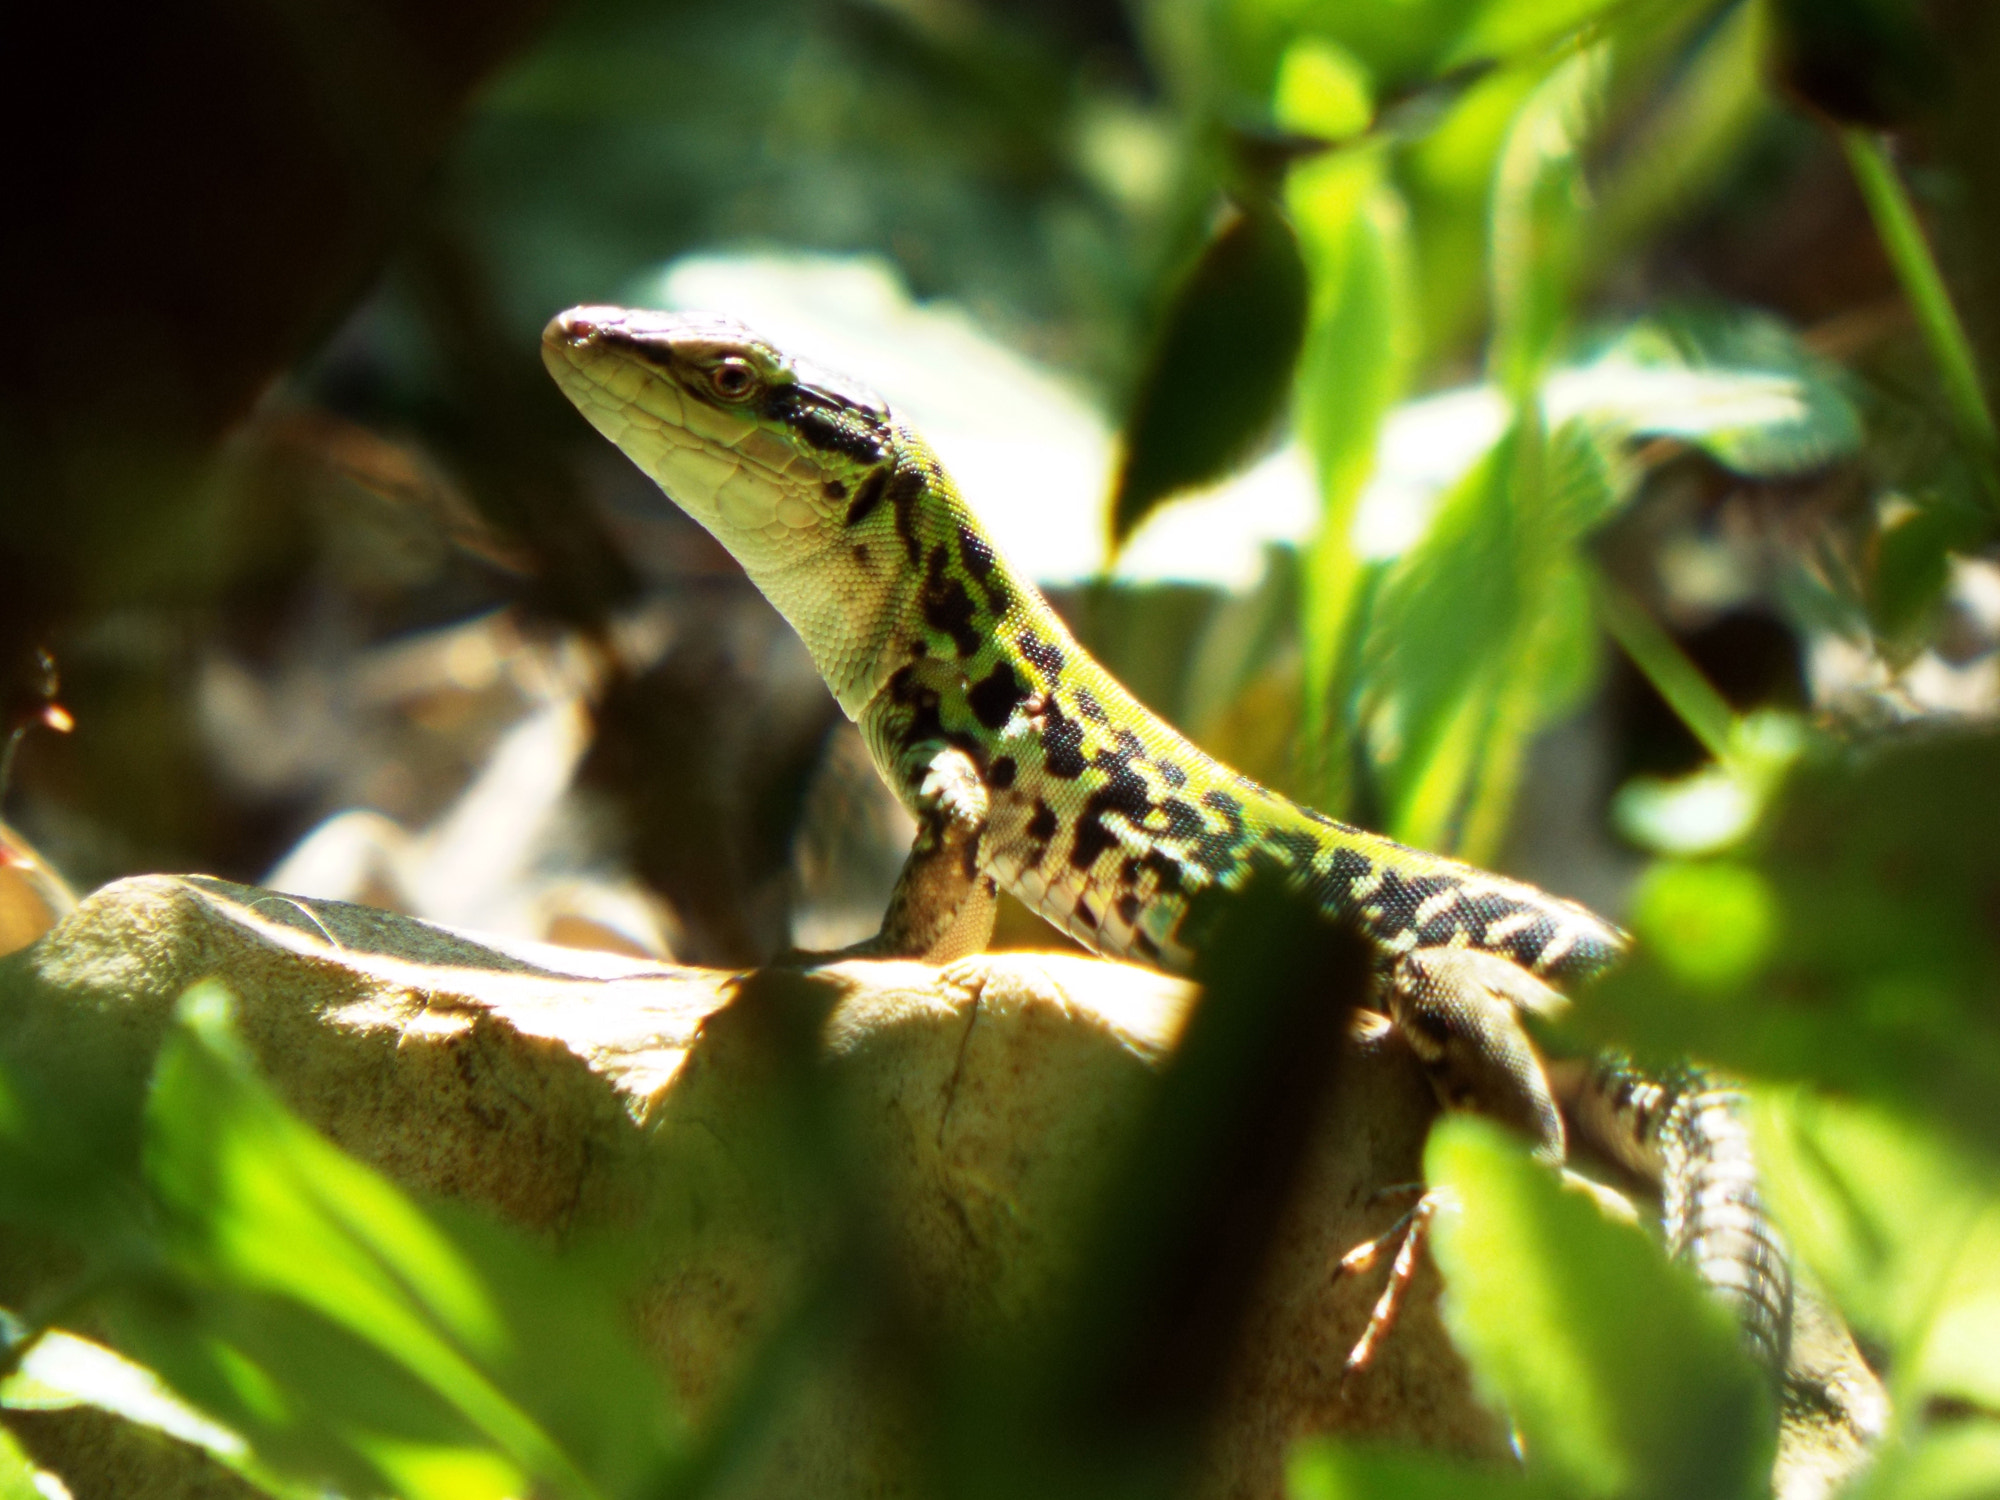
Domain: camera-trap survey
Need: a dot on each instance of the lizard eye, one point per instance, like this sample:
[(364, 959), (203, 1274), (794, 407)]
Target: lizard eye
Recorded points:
[(733, 379)]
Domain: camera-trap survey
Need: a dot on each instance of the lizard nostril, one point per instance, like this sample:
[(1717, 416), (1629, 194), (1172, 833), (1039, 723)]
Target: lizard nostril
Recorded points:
[(579, 326)]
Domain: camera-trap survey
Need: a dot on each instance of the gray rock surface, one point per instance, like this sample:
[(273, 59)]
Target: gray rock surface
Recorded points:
[(574, 1094)]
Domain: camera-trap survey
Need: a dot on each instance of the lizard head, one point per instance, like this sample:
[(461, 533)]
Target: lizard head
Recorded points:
[(764, 451), (786, 465)]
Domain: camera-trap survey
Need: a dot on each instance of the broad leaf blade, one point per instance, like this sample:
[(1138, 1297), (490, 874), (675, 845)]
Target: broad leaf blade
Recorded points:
[(318, 1310), (1876, 876), (1623, 1377), (1221, 368), (1356, 361)]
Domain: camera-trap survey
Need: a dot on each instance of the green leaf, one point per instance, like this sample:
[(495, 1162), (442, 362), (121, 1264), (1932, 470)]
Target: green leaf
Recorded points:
[(1221, 367), (1713, 925), (1956, 1461), (1429, 697), (1536, 239), (1914, 545), (1923, 283), (1902, 1229), (1510, 28), (1622, 1375), (17, 1472), (1882, 867), (1327, 1470), (1397, 45), (318, 1310), (1693, 137), (1321, 90), (61, 1370), (1704, 710), (1356, 362), (1497, 566), (1449, 175), (1738, 385)]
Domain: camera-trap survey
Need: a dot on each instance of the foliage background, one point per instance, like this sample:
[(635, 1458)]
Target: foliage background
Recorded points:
[(1634, 353)]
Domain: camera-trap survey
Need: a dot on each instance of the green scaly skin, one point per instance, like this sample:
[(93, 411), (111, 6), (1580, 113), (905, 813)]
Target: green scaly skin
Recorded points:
[(1029, 767)]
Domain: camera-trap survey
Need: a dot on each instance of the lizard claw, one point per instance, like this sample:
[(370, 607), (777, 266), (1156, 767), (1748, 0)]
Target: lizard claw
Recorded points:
[(1408, 1235)]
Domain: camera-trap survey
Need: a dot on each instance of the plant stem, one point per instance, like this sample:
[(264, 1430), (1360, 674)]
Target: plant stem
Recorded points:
[(1666, 666), (1903, 237)]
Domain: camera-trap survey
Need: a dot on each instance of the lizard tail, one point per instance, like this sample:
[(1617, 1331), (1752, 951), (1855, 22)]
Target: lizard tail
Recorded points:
[(1688, 1135)]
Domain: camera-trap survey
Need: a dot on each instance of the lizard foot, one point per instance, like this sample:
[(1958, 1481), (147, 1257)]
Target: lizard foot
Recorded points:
[(1408, 1236)]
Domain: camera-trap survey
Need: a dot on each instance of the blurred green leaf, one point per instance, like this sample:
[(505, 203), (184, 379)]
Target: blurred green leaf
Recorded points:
[(1396, 45), (1903, 1229), (1694, 135), (1736, 384), (1221, 368), (1701, 813), (1914, 545), (1327, 1470), (1429, 698), (17, 1473), (1111, 1398), (1882, 867), (61, 1370), (1356, 360), (1539, 200), (1480, 634), (1448, 176), (1321, 90), (1623, 1377), (321, 1312), (1509, 28), (1673, 676), (1713, 925), (1718, 806), (1923, 283), (1960, 1462)]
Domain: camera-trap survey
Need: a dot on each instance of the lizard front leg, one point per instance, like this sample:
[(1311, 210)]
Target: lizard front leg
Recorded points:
[(1460, 1011), (943, 904)]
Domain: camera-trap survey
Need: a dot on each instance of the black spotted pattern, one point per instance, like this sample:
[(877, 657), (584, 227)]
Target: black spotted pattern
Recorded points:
[(1062, 743), (948, 608), (907, 488), (1044, 656), (867, 497), (1184, 820), (823, 423), (1124, 792), (981, 564), (1165, 869), (1299, 847), (1041, 828), (995, 696), (1217, 850), (924, 721)]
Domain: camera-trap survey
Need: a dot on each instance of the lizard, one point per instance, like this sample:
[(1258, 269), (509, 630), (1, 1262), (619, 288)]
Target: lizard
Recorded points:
[(1028, 766)]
